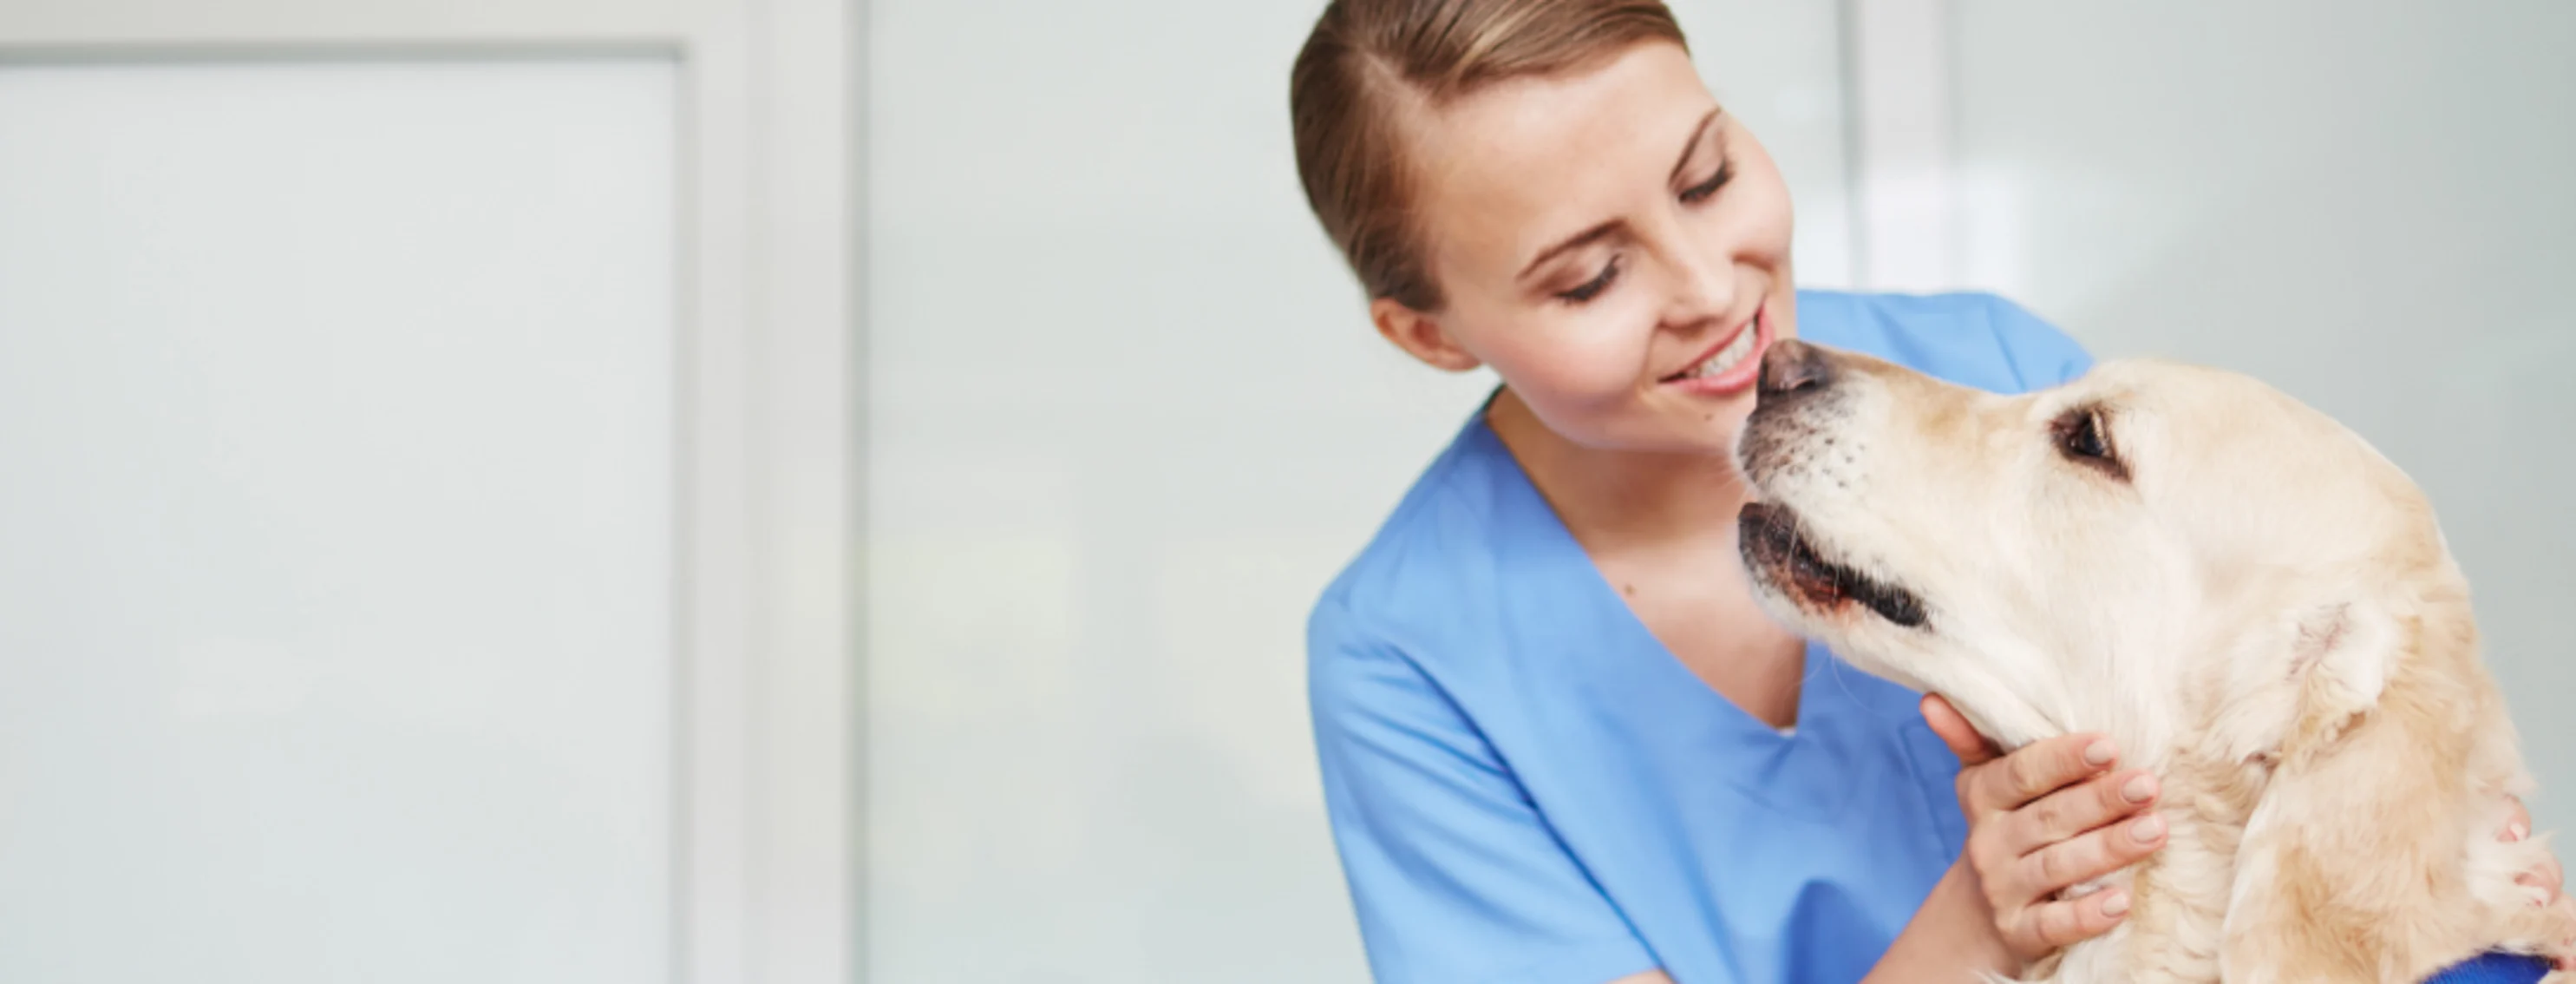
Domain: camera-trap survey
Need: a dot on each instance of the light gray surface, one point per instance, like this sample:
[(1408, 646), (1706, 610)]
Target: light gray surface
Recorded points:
[(335, 409), (2368, 204)]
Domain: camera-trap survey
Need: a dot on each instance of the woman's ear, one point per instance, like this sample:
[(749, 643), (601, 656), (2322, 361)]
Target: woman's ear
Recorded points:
[(1420, 335)]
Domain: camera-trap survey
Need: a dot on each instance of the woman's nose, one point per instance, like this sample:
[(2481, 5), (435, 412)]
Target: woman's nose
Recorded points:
[(1704, 286)]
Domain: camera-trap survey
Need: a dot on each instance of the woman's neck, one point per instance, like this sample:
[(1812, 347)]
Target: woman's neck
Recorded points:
[(1615, 499), (1661, 529)]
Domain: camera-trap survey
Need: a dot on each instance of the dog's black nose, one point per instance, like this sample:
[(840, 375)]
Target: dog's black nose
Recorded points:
[(1791, 366)]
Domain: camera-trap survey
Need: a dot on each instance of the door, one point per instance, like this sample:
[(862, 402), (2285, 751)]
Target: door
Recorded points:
[(405, 407)]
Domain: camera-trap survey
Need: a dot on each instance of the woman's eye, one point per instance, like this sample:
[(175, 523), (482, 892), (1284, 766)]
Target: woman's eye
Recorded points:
[(1700, 192), (1592, 288)]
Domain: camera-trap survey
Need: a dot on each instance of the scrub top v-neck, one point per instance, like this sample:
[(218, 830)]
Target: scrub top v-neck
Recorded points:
[(1525, 785)]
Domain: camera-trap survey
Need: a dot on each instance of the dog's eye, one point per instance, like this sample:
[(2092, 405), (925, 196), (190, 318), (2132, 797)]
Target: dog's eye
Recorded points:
[(2083, 440)]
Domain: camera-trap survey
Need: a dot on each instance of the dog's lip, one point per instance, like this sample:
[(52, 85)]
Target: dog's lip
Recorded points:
[(1782, 556)]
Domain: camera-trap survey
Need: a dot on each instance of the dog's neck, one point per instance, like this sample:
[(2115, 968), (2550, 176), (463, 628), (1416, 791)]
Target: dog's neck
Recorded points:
[(2208, 793), (2139, 715), (2180, 894)]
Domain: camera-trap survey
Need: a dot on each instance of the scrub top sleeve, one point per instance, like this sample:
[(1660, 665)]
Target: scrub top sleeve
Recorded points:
[(1455, 876), (2041, 355)]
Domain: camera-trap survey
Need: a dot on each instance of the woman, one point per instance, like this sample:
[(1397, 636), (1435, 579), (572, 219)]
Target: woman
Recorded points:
[(1560, 743)]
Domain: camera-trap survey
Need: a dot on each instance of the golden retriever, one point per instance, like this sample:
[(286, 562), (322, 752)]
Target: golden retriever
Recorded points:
[(2241, 592)]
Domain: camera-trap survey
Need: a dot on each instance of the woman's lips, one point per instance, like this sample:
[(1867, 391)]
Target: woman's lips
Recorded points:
[(1731, 366)]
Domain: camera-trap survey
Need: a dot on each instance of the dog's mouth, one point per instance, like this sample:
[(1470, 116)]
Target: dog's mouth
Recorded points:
[(1782, 556)]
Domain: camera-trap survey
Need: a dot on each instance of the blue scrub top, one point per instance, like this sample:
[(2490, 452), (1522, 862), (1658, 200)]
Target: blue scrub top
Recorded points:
[(1526, 786)]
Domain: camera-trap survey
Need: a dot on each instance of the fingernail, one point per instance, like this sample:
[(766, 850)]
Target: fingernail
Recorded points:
[(2516, 831), (2147, 829), (2115, 903), (2100, 753), (2139, 789)]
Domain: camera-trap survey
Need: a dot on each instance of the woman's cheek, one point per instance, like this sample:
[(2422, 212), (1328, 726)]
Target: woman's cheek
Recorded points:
[(1606, 357), (1579, 390)]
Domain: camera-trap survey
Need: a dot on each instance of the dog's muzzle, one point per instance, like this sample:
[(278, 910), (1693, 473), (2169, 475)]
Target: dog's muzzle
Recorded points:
[(1783, 558)]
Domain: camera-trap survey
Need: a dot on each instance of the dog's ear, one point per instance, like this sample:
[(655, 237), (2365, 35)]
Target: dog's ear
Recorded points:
[(2340, 656), (2317, 666), (2343, 866)]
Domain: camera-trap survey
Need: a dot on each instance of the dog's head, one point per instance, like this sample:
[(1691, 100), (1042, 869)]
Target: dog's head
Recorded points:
[(2077, 558)]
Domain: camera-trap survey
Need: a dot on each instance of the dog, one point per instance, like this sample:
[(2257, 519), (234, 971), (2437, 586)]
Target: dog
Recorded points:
[(2242, 593)]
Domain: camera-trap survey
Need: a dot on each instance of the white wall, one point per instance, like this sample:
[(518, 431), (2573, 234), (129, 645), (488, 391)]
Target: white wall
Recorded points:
[(2369, 204), (1127, 417), (335, 490)]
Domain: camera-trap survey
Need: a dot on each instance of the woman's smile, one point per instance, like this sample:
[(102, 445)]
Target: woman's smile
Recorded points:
[(1730, 365)]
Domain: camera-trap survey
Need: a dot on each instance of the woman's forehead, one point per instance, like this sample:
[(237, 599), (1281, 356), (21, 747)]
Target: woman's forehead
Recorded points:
[(1505, 167)]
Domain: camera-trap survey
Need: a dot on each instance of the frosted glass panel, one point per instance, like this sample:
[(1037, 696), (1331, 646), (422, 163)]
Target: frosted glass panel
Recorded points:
[(335, 469), (1127, 416), (2367, 203)]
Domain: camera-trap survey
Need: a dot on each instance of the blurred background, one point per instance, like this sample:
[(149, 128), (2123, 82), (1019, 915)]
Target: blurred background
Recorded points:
[(802, 490)]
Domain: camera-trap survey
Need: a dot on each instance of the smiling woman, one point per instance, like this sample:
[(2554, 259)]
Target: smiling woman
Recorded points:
[(1559, 738), (1529, 255)]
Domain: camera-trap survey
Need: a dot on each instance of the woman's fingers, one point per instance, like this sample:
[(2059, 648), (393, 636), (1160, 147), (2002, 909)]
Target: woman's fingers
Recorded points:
[(2054, 925), (2548, 878), (2092, 855), (2045, 817), (2061, 815), (2035, 771), (1953, 727), (2517, 820), (2563, 952)]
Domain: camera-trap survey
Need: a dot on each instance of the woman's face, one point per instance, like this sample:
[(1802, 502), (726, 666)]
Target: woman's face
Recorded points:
[(1613, 244)]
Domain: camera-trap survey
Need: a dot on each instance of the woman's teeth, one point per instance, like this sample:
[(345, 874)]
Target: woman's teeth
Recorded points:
[(1726, 358)]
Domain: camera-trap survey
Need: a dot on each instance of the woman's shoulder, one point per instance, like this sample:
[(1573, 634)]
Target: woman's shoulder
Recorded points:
[(1426, 573), (1971, 338)]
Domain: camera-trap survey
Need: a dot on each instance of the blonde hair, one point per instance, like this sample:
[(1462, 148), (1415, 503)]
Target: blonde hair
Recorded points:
[(1367, 61)]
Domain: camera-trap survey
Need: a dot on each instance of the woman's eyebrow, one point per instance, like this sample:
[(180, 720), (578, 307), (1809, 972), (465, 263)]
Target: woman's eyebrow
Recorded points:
[(1576, 241), (1596, 233), (1691, 146)]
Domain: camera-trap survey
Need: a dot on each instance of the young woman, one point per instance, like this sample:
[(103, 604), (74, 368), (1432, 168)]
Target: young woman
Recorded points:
[(1560, 743)]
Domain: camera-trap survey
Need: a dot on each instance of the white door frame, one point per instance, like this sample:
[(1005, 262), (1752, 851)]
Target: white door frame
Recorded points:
[(1899, 113), (765, 699)]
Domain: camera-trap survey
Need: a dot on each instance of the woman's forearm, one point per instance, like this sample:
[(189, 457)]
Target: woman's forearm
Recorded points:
[(1950, 939)]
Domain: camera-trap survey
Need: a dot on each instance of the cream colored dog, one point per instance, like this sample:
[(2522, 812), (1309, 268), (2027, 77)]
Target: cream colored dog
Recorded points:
[(2248, 598)]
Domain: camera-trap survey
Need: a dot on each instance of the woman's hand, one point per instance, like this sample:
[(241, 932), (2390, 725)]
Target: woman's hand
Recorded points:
[(2049, 816), (2548, 880)]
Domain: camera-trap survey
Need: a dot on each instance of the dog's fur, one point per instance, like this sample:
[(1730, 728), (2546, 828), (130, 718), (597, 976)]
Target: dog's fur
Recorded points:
[(2243, 594)]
